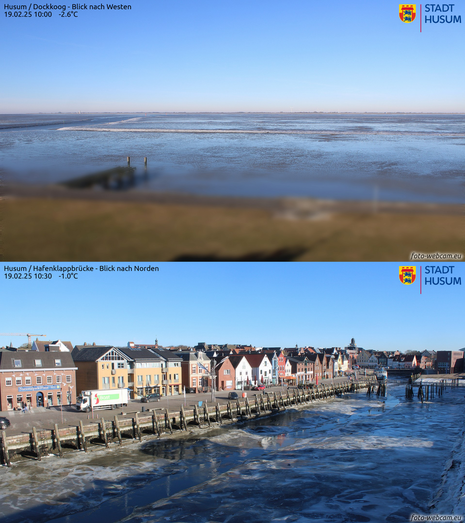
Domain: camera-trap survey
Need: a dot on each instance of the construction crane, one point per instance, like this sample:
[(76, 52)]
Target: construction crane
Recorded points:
[(16, 334)]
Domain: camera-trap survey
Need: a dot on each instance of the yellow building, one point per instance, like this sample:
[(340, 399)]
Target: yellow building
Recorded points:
[(100, 367), (146, 372)]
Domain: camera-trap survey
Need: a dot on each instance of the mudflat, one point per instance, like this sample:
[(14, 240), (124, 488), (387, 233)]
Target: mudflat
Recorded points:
[(57, 224)]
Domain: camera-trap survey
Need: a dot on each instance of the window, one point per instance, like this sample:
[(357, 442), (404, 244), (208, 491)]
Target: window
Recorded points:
[(194, 382), (49, 380), (39, 380), (193, 369), (68, 378), (103, 365), (8, 382), (57, 363), (27, 381), (227, 372), (176, 377), (17, 363), (58, 379), (38, 363), (113, 381), (140, 380), (121, 365), (19, 381), (156, 378)]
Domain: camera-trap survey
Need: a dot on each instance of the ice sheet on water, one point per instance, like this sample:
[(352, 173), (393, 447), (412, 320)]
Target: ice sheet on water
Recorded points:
[(76, 482), (242, 439), (357, 442)]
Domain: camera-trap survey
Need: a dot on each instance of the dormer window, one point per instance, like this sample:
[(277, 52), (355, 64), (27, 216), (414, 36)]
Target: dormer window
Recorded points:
[(17, 363), (57, 363), (38, 363)]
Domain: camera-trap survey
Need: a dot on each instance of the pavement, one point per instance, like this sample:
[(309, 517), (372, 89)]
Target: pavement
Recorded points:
[(66, 416)]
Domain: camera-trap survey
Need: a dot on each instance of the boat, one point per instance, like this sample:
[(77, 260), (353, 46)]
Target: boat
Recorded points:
[(381, 375)]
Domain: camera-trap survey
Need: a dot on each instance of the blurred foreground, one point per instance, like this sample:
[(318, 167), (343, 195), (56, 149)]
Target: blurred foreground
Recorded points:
[(59, 224)]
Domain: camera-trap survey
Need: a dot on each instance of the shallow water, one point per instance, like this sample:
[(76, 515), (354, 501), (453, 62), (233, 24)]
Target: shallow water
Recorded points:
[(349, 459), (390, 157)]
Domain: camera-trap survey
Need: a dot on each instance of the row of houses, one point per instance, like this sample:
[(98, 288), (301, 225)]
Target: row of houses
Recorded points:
[(54, 373)]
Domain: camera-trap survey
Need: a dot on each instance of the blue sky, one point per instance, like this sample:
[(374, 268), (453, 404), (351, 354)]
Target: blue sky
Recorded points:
[(265, 304), (264, 55)]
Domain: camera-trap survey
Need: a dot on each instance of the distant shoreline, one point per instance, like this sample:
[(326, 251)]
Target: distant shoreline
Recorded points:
[(236, 112)]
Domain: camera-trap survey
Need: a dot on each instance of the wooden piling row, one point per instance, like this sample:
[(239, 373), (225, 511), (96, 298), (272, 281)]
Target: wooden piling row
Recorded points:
[(161, 421)]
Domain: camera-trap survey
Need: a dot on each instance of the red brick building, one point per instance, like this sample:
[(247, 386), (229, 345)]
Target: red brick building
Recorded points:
[(36, 379), (225, 375), (449, 361)]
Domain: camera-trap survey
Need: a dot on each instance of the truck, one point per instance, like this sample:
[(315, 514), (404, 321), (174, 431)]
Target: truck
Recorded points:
[(102, 399)]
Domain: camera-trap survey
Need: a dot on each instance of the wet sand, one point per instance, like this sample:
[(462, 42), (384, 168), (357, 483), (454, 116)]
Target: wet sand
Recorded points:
[(58, 224)]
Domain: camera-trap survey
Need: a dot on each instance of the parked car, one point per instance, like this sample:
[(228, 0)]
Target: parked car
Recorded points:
[(259, 387), (4, 423), (150, 397), (190, 390), (233, 396)]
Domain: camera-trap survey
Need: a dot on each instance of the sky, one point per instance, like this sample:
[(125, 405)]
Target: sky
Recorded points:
[(233, 55), (263, 304)]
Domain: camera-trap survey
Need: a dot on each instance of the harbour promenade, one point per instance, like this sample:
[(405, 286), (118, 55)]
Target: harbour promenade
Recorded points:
[(45, 418), (37, 434)]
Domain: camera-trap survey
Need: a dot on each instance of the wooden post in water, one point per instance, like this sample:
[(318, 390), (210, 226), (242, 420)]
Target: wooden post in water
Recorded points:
[(197, 416), (247, 407), (103, 431), (137, 431), (35, 444), (206, 415), (155, 426), (82, 436), (218, 413), (5, 453), (129, 161), (145, 162), (168, 420), (117, 429), (56, 434), (268, 401), (183, 419)]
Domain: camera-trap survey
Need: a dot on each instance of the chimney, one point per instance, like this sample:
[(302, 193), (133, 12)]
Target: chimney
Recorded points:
[(93, 344), (85, 344)]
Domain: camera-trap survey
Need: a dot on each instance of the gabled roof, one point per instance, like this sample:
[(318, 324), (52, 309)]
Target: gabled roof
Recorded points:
[(236, 359), (255, 360), (169, 355), (224, 360), (137, 354), (28, 360), (94, 352), (44, 346)]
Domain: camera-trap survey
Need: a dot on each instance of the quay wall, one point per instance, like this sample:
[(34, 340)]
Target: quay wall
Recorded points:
[(161, 422)]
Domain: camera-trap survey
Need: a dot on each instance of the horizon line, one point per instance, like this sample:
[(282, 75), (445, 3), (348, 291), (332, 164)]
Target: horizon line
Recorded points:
[(235, 112)]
